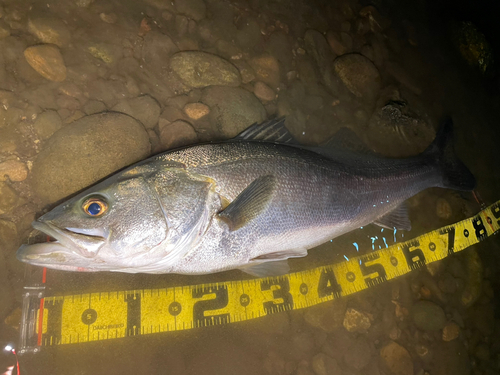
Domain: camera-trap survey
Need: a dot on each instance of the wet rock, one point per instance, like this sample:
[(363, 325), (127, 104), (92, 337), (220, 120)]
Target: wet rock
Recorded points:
[(144, 109), (451, 331), (266, 69), (14, 319), (47, 123), (195, 9), (195, 111), (155, 142), (13, 170), (232, 109), (4, 32), (443, 209), (303, 369), (328, 316), (227, 49), (170, 114), (249, 34), (224, 356), (201, 69), (50, 30), (178, 133), (187, 43), (10, 116), (450, 358), (263, 92), (181, 25), (335, 43), (107, 91), (359, 354), (6, 292), (64, 101), (402, 76), (483, 319), (94, 106), (156, 51), (482, 352), (428, 316), (108, 17), (398, 123), (47, 61), (106, 52), (274, 364), (302, 345), (359, 75), (396, 359), (76, 115), (160, 4), (8, 198), (356, 321), (448, 284), (86, 151), (72, 90), (8, 235), (317, 47), (279, 46), (83, 3), (376, 21), (246, 71), (325, 365), (473, 279)]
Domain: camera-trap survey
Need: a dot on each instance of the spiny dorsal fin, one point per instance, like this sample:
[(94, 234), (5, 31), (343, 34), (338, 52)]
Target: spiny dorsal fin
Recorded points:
[(397, 218), (249, 203), (269, 131)]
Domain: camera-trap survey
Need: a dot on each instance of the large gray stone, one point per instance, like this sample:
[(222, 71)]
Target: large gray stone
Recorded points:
[(86, 151), (396, 359), (143, 108), (49, 30), (428, 316), (359, 75), (318, 48), (201, 69), (47, 123), (232, 109), (195, 9), (47, 61)]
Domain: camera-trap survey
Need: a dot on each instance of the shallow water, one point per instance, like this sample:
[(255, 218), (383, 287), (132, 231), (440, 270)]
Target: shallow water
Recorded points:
[(275, 59)]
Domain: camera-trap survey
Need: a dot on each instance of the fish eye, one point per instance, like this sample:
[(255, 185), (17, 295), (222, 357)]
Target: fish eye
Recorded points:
[(95, 207)]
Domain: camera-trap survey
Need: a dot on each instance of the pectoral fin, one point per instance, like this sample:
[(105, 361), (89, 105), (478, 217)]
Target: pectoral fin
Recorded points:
[(397, 218), (250, 203)]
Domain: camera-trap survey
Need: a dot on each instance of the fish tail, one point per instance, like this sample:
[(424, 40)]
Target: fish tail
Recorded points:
[(455, 175)]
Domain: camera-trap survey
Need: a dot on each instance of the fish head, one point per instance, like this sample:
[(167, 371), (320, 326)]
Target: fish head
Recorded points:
[(112, 226)]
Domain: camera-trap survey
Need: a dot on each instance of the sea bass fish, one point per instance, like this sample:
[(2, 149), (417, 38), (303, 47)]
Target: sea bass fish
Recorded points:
[(249, 204)]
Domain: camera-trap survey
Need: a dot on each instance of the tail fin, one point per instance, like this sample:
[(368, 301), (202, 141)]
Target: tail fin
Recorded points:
[(455, 174)]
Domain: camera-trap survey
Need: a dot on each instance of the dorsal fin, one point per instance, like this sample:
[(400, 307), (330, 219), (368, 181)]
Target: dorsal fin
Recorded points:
[(269, 131)]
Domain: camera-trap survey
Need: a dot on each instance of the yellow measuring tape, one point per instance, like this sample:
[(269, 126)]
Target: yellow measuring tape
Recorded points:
[(107, 315)]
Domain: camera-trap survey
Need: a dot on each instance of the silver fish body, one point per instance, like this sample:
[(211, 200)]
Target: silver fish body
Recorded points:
[(240, 204)]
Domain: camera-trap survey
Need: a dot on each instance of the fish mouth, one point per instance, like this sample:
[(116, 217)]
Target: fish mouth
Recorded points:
[(70, 249)]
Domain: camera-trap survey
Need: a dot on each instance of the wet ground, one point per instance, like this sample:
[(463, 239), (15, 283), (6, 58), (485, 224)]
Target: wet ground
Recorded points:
[(168, 74)]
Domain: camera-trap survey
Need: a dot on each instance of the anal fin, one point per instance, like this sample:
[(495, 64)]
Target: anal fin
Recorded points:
[(264, 269), (396, 219)]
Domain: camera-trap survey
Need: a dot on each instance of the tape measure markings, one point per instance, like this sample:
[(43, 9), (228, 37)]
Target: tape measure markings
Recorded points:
[(108, 315)]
